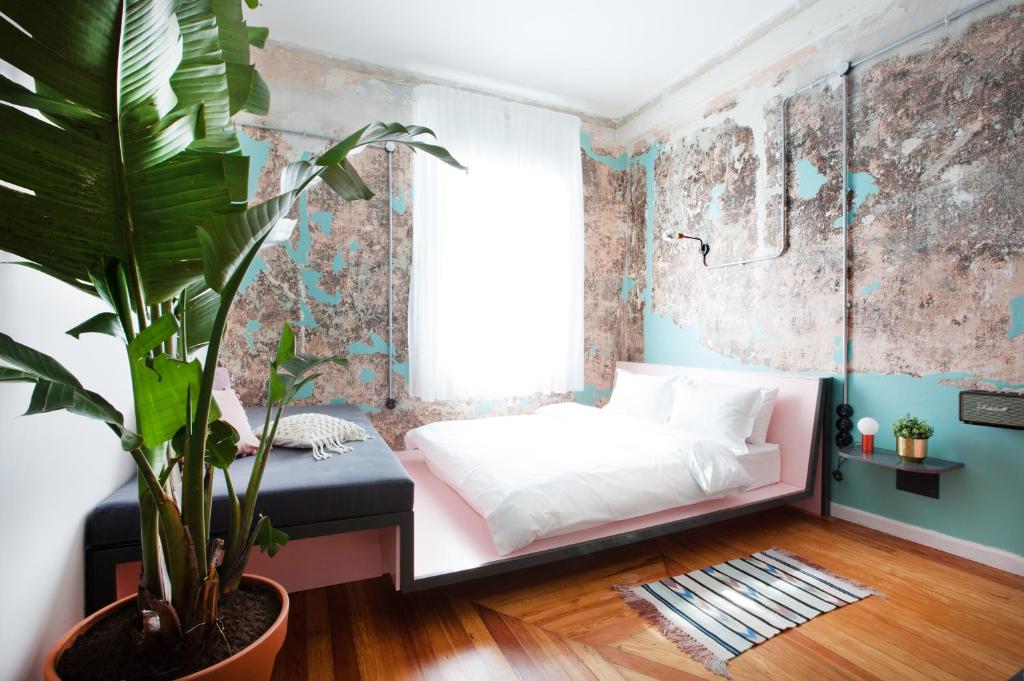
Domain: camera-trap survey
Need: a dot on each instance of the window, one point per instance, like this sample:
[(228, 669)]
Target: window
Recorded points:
[(496, 301)]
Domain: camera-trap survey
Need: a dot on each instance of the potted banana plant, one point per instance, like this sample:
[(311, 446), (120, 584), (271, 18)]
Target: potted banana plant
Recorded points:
[(123, 177)]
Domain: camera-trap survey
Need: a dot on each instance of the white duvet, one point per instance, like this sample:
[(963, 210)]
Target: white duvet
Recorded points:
[(568, 467)]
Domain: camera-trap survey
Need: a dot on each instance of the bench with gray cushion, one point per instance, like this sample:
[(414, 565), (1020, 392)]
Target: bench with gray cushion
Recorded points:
[(362, 489)]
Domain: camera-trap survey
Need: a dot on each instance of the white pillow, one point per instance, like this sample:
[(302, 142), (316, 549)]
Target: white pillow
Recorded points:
[(642, 396), (716, 469), (759, 433), (231, 410), (720, 413)]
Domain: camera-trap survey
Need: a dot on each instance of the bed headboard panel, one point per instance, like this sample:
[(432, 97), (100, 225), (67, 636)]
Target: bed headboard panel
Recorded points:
[(799, 423)]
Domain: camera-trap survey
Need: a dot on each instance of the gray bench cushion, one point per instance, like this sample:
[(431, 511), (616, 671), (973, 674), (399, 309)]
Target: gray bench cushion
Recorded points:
[(296, 489)]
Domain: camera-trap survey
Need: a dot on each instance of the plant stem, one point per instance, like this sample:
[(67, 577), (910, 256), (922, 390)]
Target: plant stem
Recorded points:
[(208, 497), (256, 475), (183, 325), (192, 503), (174, 531), (149, 538), (164, 309), (239, 537), (234, 508)]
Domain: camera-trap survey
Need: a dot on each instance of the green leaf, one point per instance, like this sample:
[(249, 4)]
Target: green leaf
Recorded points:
[(152, 337), (286, 345), (131, 441), (70, 281), (394, 132), (345, 181), (34, 362), (180, 440), (378, 133), (139, 101), (257, 34), (259, 96), (289, 371), (340, 150), (105, 322), (12, 93), (161, 385), (56, 388), (111, 285), (202, 309), (294, 373), (297, 174), (202, 76), (440, 153), (276, 389), (234, 42), (52, 396), (221, 444), (230, 242), (269, 538), (160, 395), (16, 375), (297, 387)]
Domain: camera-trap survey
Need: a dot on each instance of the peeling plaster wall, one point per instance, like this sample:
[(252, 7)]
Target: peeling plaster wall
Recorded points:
[(330, 281), (937, 284), (937, 239)]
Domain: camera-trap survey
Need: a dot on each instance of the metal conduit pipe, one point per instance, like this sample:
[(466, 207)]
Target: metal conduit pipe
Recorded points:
[(389, 402), (847, 66), (389, 148)]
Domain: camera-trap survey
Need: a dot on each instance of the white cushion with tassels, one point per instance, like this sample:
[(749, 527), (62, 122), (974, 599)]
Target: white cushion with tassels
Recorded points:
[(325, 435)]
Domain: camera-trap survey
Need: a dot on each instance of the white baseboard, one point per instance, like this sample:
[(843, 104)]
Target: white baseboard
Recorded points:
[(987, 555)]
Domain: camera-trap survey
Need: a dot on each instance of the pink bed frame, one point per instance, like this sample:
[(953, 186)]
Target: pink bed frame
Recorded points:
[(451, 541)]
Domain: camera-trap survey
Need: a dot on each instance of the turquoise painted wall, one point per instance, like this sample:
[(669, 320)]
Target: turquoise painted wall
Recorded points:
[(937, 292), (983, 503)]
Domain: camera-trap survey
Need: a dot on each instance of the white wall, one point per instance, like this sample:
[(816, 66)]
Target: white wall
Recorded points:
[(53, 468)]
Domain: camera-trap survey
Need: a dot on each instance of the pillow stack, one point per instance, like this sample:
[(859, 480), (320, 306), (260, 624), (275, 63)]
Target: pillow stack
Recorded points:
[(728, 414), (643, 396)]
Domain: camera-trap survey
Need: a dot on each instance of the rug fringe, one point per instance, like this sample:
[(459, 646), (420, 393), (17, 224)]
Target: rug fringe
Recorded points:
[(686, 643), (839, 578)]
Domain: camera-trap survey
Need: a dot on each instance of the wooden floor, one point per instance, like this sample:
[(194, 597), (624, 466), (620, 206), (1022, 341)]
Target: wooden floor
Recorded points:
[(945, 617)]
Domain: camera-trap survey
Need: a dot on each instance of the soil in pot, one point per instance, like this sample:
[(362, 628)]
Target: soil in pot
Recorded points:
[(107, 651)]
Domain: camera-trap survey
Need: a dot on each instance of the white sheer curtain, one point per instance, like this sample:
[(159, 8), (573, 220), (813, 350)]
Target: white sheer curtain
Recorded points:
[(496, 301)]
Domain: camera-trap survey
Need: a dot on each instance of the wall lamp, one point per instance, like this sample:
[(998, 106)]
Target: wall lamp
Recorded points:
[(675, 235)]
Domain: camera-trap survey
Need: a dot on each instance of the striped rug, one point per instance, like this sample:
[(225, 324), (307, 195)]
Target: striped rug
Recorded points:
[(716, 613)]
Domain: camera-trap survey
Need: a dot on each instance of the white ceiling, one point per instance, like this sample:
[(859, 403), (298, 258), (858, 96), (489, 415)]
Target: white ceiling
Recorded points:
[(603, 57)]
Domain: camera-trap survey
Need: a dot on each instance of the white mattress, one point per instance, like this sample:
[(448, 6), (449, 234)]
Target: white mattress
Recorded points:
[(764, 463), (568, 467)]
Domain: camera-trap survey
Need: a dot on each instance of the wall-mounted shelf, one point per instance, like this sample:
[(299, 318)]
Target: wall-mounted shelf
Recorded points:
[(917, 478)]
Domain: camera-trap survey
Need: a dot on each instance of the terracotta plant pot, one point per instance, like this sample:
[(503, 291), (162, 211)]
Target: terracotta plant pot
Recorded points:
[(255, 662)]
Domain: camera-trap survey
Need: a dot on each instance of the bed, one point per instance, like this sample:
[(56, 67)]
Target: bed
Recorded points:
[(454, 540), (569, 467)]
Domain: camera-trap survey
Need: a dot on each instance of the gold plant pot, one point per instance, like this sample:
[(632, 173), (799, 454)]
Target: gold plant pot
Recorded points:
[(912, 450)]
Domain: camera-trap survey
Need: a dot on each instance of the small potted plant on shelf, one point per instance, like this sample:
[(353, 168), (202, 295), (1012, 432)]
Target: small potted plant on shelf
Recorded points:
[(130, 184), (912, 436)]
